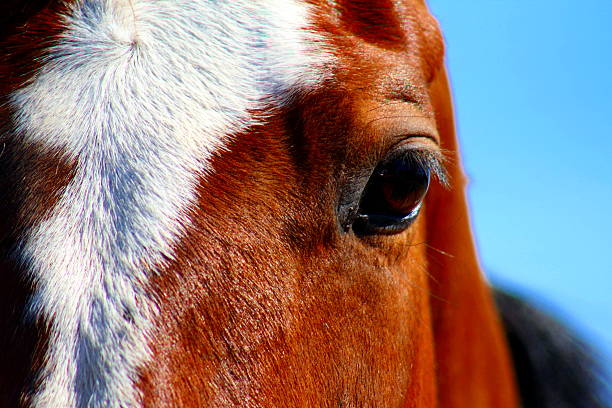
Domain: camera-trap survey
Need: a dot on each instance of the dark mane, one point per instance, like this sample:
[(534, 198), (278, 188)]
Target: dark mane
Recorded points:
[(554, 367)]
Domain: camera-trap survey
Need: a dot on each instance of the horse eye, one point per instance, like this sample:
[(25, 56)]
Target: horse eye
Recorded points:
[(392, 197)]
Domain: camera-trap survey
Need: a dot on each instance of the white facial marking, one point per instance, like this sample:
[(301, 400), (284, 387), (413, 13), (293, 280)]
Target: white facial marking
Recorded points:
[(139, 94)]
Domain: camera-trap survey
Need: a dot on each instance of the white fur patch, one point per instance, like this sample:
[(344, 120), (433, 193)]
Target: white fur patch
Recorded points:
[(139, 94)]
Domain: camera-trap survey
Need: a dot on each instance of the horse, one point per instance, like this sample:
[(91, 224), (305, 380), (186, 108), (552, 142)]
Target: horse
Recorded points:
[(237, 203)]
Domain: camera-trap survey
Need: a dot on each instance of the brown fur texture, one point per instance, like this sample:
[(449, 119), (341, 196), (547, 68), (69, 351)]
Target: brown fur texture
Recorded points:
[(32, 179), (280, 307), (268, 301)]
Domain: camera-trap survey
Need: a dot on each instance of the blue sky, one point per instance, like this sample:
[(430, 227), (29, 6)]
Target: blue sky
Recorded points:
[(532, 83)]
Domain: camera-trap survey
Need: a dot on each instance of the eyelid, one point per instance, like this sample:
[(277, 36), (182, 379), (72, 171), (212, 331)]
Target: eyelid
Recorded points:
[(395, 120), (425, 153)]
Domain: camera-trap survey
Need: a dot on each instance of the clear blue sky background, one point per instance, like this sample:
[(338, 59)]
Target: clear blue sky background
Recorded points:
[(532, 83)]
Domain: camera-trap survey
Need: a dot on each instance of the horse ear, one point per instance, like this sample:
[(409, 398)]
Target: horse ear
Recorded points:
[(472, 357)]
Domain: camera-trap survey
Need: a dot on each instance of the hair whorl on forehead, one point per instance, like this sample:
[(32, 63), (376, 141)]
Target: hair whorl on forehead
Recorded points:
[(138, 125)]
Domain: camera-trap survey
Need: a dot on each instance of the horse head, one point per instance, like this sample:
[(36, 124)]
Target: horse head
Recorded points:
[(237, 204)]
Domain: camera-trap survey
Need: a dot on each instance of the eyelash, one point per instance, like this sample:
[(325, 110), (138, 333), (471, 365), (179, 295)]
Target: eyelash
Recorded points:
[(429, 160)]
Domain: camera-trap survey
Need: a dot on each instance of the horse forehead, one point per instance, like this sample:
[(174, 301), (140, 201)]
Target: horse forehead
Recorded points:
[(396, 25)]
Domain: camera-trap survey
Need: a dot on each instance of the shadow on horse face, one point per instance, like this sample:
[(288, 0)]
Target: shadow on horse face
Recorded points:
[(292, 262)]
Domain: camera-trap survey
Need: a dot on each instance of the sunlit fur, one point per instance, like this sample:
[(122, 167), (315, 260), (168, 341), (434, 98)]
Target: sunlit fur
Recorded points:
[(173, 231), (138, 95)]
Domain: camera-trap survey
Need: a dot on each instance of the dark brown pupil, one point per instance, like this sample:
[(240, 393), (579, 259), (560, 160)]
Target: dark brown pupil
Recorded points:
[(395, 189)]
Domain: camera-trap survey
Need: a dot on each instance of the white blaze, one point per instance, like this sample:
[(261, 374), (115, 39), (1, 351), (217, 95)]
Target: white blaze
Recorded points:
[(138, 94)]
